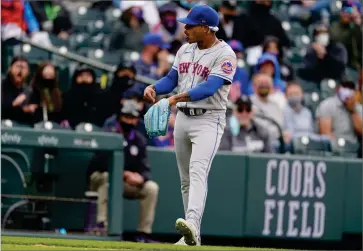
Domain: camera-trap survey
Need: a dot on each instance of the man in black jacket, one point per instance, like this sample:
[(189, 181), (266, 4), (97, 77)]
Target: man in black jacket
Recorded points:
[(325, 59), (137, 180), (84, 101)]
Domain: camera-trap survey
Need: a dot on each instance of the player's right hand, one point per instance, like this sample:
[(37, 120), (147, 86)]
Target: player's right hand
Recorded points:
[(150, 94)]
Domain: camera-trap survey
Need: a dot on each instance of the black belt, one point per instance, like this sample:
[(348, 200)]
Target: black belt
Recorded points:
[(192, 111)]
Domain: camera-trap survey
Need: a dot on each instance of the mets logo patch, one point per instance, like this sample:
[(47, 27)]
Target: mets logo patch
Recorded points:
[(227, 66)]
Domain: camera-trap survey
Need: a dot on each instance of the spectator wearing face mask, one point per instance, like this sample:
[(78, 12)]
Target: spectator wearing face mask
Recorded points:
[(264, 104), (123, 79), (348, 31), (228, 29), (171, 30), (245, 133), (298, 119), (137, 174), (340, 116), (269, 65), (83, 101), (325, 59), (12, 96), (45, 94), (240, 80), (129, 31), (273, 46)]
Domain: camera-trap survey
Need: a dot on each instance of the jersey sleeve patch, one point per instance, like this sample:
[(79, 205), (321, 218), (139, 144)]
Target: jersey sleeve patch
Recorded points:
[(227, 66)]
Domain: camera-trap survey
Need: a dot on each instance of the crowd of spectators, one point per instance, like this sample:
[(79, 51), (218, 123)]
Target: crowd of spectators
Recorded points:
[(255, 33), (266, 84)]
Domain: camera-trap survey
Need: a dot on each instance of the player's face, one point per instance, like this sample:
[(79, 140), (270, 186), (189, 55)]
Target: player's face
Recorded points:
[(195, 33)]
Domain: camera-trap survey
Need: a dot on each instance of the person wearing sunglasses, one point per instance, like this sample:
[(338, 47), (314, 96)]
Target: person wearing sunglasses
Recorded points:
[(245, 134)]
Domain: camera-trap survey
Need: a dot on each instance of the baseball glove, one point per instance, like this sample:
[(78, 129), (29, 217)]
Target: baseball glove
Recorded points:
[(157, 117)]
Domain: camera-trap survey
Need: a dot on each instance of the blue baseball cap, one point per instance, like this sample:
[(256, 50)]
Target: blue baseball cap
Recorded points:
[(155, 39), (202, 15), (236, 45)]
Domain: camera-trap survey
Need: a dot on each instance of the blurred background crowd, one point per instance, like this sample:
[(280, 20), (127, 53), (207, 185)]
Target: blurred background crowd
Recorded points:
[(298, 82)]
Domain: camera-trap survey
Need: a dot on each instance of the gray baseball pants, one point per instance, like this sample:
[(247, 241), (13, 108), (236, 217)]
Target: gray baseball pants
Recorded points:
[(197, 140)]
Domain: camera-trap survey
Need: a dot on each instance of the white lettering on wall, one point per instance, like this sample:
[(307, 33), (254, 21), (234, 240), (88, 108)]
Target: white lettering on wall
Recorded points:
[(270, 190), (304, 216)]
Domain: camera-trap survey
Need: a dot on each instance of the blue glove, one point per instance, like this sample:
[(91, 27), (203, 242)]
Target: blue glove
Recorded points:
[(156, 119)]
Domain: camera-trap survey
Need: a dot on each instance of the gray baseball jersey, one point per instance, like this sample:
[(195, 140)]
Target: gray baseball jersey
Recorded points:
[(195, 65)]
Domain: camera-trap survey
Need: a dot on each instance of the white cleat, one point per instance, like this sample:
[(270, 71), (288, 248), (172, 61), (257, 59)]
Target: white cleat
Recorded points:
[(181, 242), (188, 231)]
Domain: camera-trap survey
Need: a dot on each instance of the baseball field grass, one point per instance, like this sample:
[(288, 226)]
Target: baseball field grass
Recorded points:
[(27, 243)]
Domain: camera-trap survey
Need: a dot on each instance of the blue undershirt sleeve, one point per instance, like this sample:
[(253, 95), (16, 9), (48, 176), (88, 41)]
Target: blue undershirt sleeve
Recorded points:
[(168, 83), (206, 89)]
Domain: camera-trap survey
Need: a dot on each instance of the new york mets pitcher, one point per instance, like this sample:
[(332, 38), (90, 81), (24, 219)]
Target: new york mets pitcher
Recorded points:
[(203, 71)]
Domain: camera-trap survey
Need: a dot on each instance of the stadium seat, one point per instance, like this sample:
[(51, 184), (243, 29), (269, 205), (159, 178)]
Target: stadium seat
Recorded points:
[(302, 41), (88, 127), (79, 41), (296, 55), (308, 86), (58, 42), (95, 27), (344, 148), (312, 101), (31, 53), (7, 123), (105, 57), (351, 73), (310, 145), (82, 16), (327, 88), (48, 125), (112, 15)]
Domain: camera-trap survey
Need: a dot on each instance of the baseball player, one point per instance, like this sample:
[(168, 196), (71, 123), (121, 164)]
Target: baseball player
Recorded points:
[(203, 71)]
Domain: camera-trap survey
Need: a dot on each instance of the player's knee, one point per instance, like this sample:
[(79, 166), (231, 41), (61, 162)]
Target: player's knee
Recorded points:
[(151, 188)]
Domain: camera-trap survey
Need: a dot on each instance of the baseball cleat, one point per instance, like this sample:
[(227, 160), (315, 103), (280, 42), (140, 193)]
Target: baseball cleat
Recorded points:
[(181, 242), (188, 231)]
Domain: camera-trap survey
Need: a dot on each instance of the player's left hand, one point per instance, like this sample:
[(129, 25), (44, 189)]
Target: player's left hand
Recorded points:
[(150, 94)]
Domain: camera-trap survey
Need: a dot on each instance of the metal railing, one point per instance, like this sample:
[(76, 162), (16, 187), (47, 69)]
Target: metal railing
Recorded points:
[(82, 59)]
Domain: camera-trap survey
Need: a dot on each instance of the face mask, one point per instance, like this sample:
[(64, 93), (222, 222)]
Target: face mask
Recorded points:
[(87, 90), (48, 83), (323, 39), (345, 93), (263, 91), (169, 22), (126, 127), (228, 18), (294, 101), (121, 84)]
